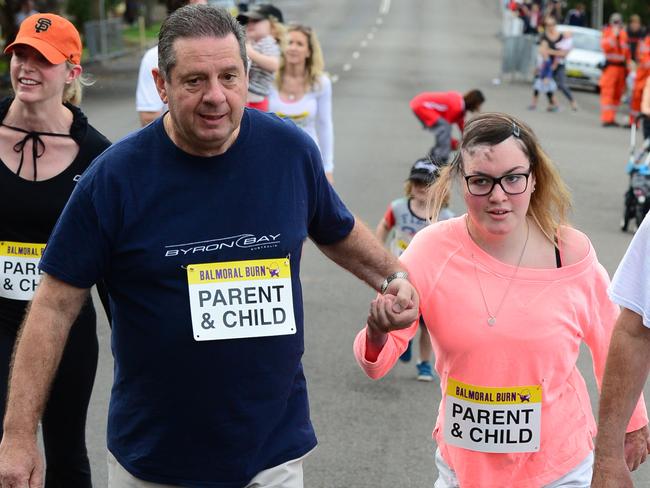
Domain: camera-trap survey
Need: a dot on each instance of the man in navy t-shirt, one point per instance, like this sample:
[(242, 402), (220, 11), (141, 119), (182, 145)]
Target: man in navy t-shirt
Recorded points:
[(196, 224)]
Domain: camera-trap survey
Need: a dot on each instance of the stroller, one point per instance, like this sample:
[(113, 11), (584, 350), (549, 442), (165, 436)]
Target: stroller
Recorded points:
[(637, 197)]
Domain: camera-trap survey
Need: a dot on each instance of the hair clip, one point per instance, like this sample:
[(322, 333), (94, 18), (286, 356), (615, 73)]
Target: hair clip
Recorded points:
[(515, 130)]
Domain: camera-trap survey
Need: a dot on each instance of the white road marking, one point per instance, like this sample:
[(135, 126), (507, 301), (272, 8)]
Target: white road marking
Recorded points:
[(384, 8)]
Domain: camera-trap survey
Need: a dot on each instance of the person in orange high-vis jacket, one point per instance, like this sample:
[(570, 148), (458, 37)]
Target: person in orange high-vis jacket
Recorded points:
[(612, 82), (642, 73)]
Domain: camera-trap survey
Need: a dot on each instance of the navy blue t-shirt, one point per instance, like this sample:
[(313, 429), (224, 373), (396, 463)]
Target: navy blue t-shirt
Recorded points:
[(183, 412)]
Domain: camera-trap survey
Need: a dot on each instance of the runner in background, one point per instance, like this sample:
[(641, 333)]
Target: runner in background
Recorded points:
[(508, 293), (147, 101), (46, 144), (303, 91), (405, 217), (437, 111)]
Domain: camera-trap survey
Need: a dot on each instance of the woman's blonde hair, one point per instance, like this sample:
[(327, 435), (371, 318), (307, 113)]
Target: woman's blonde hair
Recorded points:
[(73, 92), (314, 64), (550, 202), (278, 31)]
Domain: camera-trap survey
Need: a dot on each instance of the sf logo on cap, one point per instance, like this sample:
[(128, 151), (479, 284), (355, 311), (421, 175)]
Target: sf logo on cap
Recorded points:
[(43, 24)]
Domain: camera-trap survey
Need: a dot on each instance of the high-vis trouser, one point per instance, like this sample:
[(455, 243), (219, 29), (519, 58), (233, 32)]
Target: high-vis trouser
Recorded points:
[(612, 87), (637, 92)]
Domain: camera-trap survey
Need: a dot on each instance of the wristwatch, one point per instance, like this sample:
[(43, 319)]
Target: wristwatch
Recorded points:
[(397, 275)]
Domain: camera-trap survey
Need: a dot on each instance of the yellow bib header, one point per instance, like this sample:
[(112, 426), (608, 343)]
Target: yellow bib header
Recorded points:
[(516, 395), (21, 249), (258, 269)]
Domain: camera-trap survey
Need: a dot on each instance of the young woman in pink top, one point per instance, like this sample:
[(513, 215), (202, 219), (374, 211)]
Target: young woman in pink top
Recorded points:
[(508, 292)]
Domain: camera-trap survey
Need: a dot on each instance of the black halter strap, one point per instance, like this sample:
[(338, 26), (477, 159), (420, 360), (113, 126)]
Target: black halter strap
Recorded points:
[(38, 146)]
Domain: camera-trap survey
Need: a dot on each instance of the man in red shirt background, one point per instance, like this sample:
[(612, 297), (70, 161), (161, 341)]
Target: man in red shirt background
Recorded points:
[(439, 110)]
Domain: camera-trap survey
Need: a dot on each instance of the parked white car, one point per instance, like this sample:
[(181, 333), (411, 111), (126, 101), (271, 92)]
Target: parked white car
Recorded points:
[(583, 60)]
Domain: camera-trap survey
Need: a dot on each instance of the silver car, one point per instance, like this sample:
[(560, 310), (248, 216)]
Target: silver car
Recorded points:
[(583, 60)]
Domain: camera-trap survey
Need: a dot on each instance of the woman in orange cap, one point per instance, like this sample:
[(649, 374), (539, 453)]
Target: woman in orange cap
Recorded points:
[(46, 144)]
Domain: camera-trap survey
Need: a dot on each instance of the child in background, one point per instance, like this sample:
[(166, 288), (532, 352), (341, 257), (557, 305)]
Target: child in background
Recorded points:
[(265, 38), (544, 81), (403, 218)]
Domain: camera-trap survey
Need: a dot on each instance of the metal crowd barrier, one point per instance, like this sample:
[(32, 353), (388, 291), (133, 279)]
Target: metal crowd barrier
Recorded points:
[(103, 39), (518, 56)]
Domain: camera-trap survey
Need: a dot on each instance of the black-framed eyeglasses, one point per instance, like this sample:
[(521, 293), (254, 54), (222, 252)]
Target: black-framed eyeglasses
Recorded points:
[(512, 183)]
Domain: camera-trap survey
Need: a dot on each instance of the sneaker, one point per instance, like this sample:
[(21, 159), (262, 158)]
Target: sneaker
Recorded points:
[(552, 108), (406, 355), (531, 107), (611, 124), (425, 373)]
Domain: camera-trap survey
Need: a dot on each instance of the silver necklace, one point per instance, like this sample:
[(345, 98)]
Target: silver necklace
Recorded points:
[(492, 317)]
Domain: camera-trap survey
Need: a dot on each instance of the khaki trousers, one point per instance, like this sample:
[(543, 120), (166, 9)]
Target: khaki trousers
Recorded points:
[(287, 475)]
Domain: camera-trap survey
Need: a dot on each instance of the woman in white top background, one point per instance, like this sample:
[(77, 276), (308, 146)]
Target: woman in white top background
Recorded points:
[(303, 91)]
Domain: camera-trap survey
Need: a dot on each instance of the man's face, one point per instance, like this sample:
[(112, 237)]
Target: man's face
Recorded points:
[(206, 93)]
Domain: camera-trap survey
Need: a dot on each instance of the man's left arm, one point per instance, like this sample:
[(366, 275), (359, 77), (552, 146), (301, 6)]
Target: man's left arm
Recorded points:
[(625, 374), (361, 253)]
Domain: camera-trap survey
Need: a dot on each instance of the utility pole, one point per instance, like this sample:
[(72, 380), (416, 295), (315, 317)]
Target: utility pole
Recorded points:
[(597, 7), (103, 28)]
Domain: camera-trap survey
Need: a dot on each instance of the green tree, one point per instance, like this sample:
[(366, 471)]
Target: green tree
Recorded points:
[(629, 7), (624, 7), (81, 11)]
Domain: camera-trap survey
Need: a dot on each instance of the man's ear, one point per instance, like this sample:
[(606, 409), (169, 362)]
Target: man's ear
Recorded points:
[(159, 79)]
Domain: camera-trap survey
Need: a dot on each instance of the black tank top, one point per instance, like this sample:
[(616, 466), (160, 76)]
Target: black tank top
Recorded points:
[(29, 209), (552, 44)]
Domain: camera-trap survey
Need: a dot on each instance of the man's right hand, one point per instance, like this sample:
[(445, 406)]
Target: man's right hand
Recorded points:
[(21, 463), (611, 473)]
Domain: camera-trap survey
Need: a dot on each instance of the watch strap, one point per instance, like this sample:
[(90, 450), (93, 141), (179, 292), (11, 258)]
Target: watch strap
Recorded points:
[(397, 275)]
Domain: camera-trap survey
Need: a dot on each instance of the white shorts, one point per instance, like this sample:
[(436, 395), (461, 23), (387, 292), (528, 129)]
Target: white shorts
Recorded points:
[(578, 477), (287, 475)]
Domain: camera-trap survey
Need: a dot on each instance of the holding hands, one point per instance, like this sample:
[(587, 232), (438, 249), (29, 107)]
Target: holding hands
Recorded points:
[(396, 309), (637, 446), (614, 471), (21, 464)]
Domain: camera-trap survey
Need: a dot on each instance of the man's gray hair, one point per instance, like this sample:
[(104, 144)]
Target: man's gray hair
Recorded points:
[(195, 21)]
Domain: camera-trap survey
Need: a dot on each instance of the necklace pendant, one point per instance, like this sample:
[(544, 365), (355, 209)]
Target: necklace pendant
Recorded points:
[(491, 321)]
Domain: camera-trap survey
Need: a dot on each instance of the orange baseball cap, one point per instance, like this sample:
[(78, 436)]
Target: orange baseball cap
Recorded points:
[(52, 36)]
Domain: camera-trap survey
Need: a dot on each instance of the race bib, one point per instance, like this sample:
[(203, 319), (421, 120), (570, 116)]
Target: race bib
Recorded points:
[(19, 273), (241, 299), (487, 419), (299, 119)]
